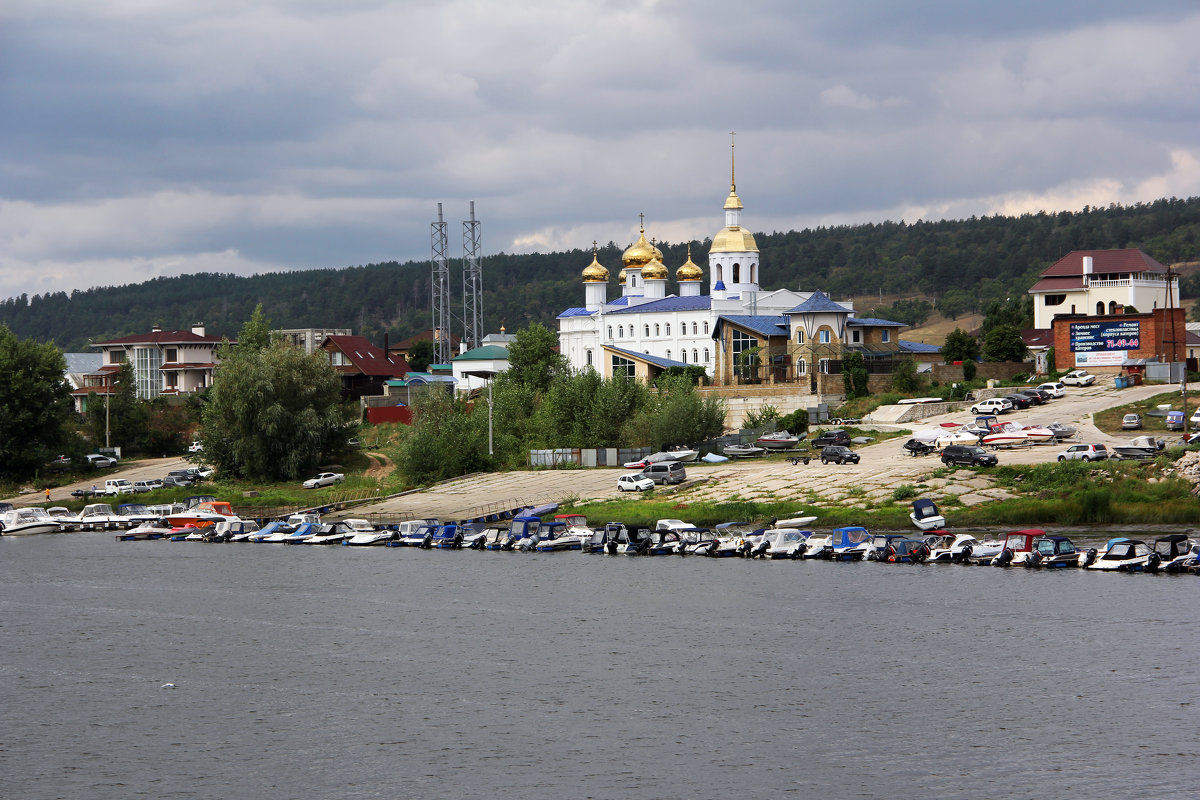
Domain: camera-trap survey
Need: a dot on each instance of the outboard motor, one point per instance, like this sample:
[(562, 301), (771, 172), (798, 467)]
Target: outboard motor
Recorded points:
[(1034, 560), (1089, 558), (458, 540), (612, 547), (761, 549), (1005, 558), (1153, 562), (427, 542), (963, 556), (799, 551)]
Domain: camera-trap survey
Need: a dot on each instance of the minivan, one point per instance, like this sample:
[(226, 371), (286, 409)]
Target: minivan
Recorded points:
[(666, 472), (118, 486)]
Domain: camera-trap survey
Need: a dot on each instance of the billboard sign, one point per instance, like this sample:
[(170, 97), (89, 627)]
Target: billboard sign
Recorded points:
[(1094, 337)]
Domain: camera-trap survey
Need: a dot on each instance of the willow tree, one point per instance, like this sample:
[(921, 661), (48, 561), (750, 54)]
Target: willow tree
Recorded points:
[(273, 412)]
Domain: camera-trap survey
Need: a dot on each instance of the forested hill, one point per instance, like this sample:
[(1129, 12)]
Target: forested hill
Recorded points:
[(986, 258)]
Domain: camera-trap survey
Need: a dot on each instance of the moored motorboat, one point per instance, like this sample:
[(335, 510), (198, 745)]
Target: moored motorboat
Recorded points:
[(155, 529), (27, 521), (203, 514), (1053, 551), (1018, 548), (780, 543), (1123, 555), (1178, 552), (925, 515), (850, 543), (94, 516)]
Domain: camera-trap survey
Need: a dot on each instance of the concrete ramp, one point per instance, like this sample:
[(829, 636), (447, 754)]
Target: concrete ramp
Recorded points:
[(896, 414)]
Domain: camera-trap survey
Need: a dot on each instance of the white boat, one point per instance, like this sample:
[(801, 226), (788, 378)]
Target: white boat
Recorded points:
[(682, 454), (155, 529), (713, 458), (1038, 434), (925, 515), (793, 522), (1123, 555), (366, 534), (203, 514), (1139, 448), (782, 543), (974, 551), (1062, 430), (331, 533), (960, 436), (95, 516), (23, 521), (1005, 435), (779, 440), (744, 451), (232, 530), (1177, 552)]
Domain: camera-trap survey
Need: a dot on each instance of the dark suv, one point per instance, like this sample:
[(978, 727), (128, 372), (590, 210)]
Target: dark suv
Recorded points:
[(838, 454), (968, 455), (831, 437)]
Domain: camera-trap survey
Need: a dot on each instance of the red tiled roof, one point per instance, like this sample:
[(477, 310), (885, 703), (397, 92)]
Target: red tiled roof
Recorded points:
[(1104, 262), (1037, 337), (366, 357), (163, 337)]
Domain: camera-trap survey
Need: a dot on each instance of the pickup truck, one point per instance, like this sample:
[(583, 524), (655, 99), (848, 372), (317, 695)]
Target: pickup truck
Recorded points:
[(1078, 377)]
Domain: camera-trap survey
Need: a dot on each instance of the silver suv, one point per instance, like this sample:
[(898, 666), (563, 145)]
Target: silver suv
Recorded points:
[(1084, 452)]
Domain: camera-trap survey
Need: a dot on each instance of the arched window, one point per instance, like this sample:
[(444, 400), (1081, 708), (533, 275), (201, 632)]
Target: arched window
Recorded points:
[(754, 273), (706, 327), (667, 325), (610, 331), (1100, 307), (693, 329), (683, 356), (737, 273), (632, 281), (706, 355), (695, 357), (589, 358), (647, 329), (1112, 307), (630, 331), (801, 366), (720, 272), (799, 335), (620, 332), (668, 355), (656, 333)]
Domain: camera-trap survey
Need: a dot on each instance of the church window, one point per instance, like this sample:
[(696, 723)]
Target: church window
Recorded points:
[(1100, 307), (754, 273), (647, 329), (823, 366), (656, 333), (825, 336), (1112, 307), (589, 357), (620, 331), (683, 356), (610, 331), (706, 327), (622, 367), (693, 329), (632, 281), (706, 355), (720, 272), (667, 325), (737, 273), (695, 357), (799, 335), (668, 355)]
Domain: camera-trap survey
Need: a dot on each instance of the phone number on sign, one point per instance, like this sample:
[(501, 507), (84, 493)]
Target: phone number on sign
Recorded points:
[(1121, 344)]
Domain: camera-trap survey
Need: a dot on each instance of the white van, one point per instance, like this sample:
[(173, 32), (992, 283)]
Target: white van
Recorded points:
[(118, 486)]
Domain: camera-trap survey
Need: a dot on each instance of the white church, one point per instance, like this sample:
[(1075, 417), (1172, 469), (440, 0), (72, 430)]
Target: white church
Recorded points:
[(645, 330)]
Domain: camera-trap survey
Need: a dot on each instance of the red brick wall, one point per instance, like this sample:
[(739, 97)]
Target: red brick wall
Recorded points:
[(1155, 335)]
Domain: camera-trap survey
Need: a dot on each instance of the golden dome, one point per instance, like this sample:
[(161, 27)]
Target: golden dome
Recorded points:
[(655, 270), (639, 253), (595, 271), (689, 271), (621, 277), (733, 202), (733, 239)]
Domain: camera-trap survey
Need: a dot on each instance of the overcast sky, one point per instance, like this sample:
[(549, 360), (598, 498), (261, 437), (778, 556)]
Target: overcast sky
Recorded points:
[(141, 138)]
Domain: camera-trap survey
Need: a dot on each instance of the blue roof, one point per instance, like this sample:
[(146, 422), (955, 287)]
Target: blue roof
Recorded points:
[(766, 326), (575, 311), (672, 303), (719, 286), (878, 323), (621, 301), (919, 347), (657, 361), (818, 301)]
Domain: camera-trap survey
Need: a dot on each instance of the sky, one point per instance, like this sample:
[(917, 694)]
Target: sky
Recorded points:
[(147, 138)]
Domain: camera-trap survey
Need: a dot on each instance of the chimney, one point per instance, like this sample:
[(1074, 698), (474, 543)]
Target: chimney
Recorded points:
[(1087, 268), (156, 328), (198, 329)]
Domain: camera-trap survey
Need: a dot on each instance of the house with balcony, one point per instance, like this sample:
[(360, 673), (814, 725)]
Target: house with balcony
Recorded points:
[(165, 363), (1102, 283)]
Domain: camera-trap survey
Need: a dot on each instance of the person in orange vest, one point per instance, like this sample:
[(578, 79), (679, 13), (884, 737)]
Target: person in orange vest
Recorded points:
[(47, 494)]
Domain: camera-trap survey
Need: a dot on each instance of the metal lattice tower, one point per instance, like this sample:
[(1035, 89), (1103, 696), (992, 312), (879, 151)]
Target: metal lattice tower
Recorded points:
[(440, 282), (472, 283)]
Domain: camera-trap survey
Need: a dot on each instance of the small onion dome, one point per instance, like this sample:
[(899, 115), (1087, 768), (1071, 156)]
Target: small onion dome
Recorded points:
[(621, 277), (640, 252), (655, 270), (595, 272), (734, 239), (689, 271), (733, 202)]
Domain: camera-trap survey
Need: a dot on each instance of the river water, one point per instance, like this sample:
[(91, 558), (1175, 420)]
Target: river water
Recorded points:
[(183, 670)]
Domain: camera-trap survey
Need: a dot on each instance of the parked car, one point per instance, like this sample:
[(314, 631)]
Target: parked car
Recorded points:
[(1019, 401), (196, 447), (1084, 452), (968, 455), (826, 438), (636, 482), (666, 472), (1131, 422), (141, 487), (1078, 377), (175, 482), (324, 479), (1039, 396), (98, 461), (993, 405), (118, 486), (838, 454), (60, 464), (1055, 388)]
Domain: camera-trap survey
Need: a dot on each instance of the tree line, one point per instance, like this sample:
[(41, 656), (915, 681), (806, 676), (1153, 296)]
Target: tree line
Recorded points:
[(961, 265)]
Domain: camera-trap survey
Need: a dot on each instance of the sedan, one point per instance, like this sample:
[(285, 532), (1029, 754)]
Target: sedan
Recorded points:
[(1078, 377), (324, 479), (634, 483)]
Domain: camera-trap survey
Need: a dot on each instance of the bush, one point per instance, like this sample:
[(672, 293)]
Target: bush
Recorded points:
[(905, 492), (761, 416)]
